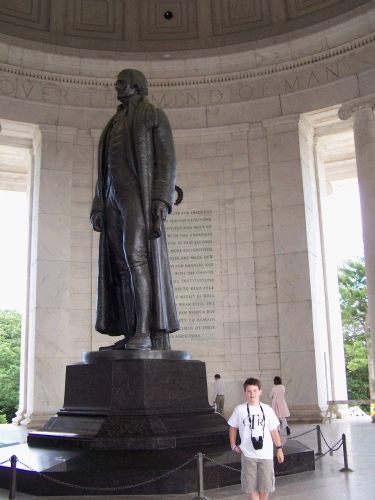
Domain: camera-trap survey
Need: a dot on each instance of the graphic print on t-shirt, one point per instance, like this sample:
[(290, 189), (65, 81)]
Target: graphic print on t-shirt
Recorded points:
[(255, 421)]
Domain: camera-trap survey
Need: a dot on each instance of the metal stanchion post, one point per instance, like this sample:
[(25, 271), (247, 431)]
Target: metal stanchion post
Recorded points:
[(200, 478), (345, 468), (12, 482), (319, 438)]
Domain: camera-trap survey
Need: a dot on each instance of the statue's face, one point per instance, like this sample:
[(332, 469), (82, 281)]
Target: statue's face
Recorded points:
[(124, 88)]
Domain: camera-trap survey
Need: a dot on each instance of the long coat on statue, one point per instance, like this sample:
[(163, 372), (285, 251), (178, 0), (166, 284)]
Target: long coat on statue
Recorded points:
[(156, 168)]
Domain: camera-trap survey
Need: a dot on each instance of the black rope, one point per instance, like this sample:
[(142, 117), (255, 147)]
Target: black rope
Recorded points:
[(304, 433), (117, 488), (329, 448), (335, 447)]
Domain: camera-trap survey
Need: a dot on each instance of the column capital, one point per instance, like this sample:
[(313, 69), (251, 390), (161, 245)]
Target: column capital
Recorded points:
[(348, 108)]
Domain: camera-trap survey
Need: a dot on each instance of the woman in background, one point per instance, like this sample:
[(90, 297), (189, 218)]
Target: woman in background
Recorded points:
[(279, 405)]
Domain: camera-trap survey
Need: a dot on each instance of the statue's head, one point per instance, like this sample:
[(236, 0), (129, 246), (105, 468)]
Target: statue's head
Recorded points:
[(137, 78)]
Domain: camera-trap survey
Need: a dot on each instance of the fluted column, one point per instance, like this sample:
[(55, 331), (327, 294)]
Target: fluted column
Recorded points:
[(362, 113)]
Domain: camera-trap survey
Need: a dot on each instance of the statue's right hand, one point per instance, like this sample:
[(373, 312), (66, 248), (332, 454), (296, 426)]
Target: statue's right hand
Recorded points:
[(96, 219)]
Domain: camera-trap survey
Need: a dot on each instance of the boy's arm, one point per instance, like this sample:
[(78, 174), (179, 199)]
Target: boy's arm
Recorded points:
[(232, 439), (277, 441)]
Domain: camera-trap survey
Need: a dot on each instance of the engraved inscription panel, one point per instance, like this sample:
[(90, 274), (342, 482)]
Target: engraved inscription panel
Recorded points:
[(191, 249), (104, 96)]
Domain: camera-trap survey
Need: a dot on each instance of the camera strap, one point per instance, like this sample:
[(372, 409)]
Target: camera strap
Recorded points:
[(251, 422)]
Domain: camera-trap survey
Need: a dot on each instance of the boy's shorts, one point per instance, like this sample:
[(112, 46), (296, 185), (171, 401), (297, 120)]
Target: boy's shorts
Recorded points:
[(257, 475)]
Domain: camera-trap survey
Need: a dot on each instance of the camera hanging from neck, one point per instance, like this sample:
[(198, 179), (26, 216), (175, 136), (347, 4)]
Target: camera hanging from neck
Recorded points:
[(257, 442)]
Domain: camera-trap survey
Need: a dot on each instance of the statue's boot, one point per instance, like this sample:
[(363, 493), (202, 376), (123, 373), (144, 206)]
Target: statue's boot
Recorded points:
[(142, 295), (120, 344), (141, 340)]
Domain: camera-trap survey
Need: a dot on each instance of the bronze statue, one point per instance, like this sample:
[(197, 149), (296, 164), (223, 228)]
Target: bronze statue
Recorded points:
[(134, 194)]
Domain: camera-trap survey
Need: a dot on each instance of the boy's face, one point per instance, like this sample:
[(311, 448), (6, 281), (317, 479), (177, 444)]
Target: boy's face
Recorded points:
[(252, 394)]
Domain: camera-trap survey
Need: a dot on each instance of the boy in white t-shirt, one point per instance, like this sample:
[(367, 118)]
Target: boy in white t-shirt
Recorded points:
[(258, 427)]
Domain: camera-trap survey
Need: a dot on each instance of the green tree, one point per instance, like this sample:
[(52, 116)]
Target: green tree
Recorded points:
[(10, 340), (355, 325)]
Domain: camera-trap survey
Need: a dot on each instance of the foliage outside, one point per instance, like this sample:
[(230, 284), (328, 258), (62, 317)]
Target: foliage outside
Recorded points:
[(353, 301), (10, 347)]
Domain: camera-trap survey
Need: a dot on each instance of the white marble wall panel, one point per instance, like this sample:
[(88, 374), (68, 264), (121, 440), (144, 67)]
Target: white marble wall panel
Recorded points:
[(89, 118), (265, 55), (286, 176), (98, 68), (198, 66), (238, 61), (293, 279), (220, 156), (70, 65), (295, 320), (290, 229), (302, 389), (309, 45), (170, 68), (48, 372), (244, 112), (53, 323), (187, 118)]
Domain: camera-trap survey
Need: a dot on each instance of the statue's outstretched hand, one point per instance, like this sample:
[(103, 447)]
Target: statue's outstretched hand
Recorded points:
[(96, 219)]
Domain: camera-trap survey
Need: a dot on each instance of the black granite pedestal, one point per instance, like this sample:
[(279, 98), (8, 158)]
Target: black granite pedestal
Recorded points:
[(133, 423), (134, 400)]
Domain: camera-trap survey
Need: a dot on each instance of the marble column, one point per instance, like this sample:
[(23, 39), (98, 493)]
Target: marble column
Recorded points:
[(362, 112), (298, 265), (49, 262)]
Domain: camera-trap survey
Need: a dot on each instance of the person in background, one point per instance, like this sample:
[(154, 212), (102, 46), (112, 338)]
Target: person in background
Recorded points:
[(279, 405), (219, 394), (257, 425)]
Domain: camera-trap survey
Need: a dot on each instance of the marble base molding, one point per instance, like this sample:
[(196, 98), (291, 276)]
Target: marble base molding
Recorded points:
[(309, 414)]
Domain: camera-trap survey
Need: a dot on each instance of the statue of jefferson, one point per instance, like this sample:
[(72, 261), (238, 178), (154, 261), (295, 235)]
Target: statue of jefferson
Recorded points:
[(134, 194)]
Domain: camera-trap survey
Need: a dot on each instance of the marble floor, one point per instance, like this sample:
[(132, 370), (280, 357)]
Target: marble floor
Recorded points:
[(326, 482)]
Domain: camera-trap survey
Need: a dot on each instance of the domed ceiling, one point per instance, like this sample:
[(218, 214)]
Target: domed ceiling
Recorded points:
[(161, 25)]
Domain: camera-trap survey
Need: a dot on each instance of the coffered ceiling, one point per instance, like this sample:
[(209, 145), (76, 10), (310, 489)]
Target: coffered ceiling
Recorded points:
[(162, 25)]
